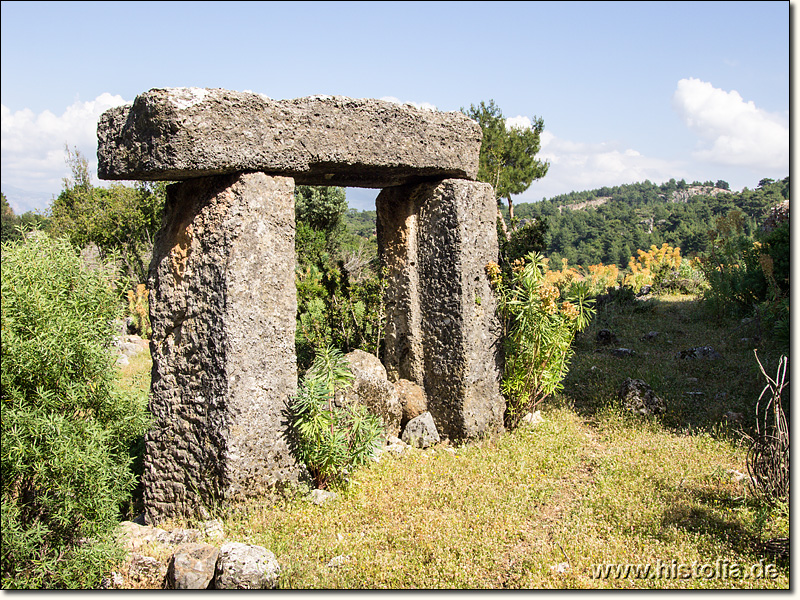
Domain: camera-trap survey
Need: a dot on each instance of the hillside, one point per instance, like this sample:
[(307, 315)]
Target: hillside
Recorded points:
[(608, 225)]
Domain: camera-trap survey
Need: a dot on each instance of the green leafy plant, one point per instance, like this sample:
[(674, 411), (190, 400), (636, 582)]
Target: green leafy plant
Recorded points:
[(67, 429), (331, 439), (538, 329)]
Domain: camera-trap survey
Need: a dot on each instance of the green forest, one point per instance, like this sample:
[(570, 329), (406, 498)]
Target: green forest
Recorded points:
[(608, 225)]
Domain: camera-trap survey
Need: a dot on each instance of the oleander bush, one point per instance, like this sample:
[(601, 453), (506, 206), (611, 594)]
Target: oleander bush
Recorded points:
[(67, 429)]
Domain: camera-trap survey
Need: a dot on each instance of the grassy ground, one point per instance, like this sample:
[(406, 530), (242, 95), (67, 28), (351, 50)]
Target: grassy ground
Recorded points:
[(546, 507)]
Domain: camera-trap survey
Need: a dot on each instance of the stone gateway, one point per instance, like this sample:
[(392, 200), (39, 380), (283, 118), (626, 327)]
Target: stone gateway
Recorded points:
[(223, 304)]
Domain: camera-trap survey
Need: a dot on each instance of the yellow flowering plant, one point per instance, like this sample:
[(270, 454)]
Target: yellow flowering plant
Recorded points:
[(539, 324)]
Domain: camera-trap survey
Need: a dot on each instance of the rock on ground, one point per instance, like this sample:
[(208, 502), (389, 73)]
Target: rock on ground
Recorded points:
[(244, 566), (421, 432), (192, 566), (638, 397), (372, 389), (412, 399)]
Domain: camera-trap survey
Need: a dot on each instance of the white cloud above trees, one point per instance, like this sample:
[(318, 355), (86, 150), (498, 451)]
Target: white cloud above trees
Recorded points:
[(730, 130), (33, 156)]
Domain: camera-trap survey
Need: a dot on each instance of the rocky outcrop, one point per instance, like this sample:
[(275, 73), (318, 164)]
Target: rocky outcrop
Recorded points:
[(179, 133)]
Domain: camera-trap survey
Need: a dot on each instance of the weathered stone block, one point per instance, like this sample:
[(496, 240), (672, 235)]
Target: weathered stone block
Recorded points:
[(223, 315), (441, 328), (180, 133)]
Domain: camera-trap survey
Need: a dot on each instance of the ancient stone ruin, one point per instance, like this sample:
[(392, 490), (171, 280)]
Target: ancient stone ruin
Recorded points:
[(223, 302)]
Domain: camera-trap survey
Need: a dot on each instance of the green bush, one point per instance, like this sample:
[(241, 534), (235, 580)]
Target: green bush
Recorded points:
[(538, 329), (66, 429), (329, 439)]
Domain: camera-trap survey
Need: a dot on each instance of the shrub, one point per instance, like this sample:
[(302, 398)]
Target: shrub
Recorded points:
[(732, 268), (330, 439), (538, 329), (335, 311), (66, 429)]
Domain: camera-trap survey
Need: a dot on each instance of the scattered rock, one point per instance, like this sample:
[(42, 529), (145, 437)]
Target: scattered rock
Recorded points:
[(622, 352), (134, 536), (605, 337), (412, 400), (183, 536), (560, 567), (246, 567), (699, 352), (213, 529), (421, 432), (533, 419), (338, 561), (733, 417), (321, 496), (192, 566), (639, 398), (650, 335), (146, 570), (114, 581), (372, 389)]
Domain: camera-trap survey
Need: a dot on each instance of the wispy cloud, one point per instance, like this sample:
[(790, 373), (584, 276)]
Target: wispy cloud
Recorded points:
[(33, 157), (732, 132), (576, 166)]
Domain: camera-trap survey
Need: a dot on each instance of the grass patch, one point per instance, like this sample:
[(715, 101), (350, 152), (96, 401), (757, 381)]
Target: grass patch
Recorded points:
[(543, 507)]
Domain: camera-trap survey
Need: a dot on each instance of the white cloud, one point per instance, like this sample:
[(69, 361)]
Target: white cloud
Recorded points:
[(420, 105), (576, 166), (518, 122), (731, 131), (33, 157)]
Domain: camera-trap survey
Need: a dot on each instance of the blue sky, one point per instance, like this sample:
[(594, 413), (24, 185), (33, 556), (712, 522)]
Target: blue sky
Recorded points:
[(628, 91)]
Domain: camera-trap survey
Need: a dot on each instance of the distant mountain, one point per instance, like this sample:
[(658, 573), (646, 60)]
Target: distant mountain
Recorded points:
[(23, 201)]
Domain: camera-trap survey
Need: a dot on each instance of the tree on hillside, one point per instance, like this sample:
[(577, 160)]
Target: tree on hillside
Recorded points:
[(508, 155)]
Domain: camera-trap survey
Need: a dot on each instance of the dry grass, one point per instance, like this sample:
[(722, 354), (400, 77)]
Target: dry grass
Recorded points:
[(590, 485)]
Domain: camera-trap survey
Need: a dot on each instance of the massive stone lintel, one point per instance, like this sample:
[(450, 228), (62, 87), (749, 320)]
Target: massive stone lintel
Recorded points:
[(442, 331), (179, 133), (223, 310)]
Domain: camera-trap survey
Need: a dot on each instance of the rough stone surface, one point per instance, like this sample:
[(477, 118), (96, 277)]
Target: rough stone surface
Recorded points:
[(441, 329), (223, 316), (180, 133), (412, 400), (146, 570), (421, 432), (192, 567), (242, 566), (372, 389), (639, 398)]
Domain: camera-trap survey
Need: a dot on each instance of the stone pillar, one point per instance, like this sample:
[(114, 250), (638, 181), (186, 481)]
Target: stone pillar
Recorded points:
[(442, 331), (223, 315)]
